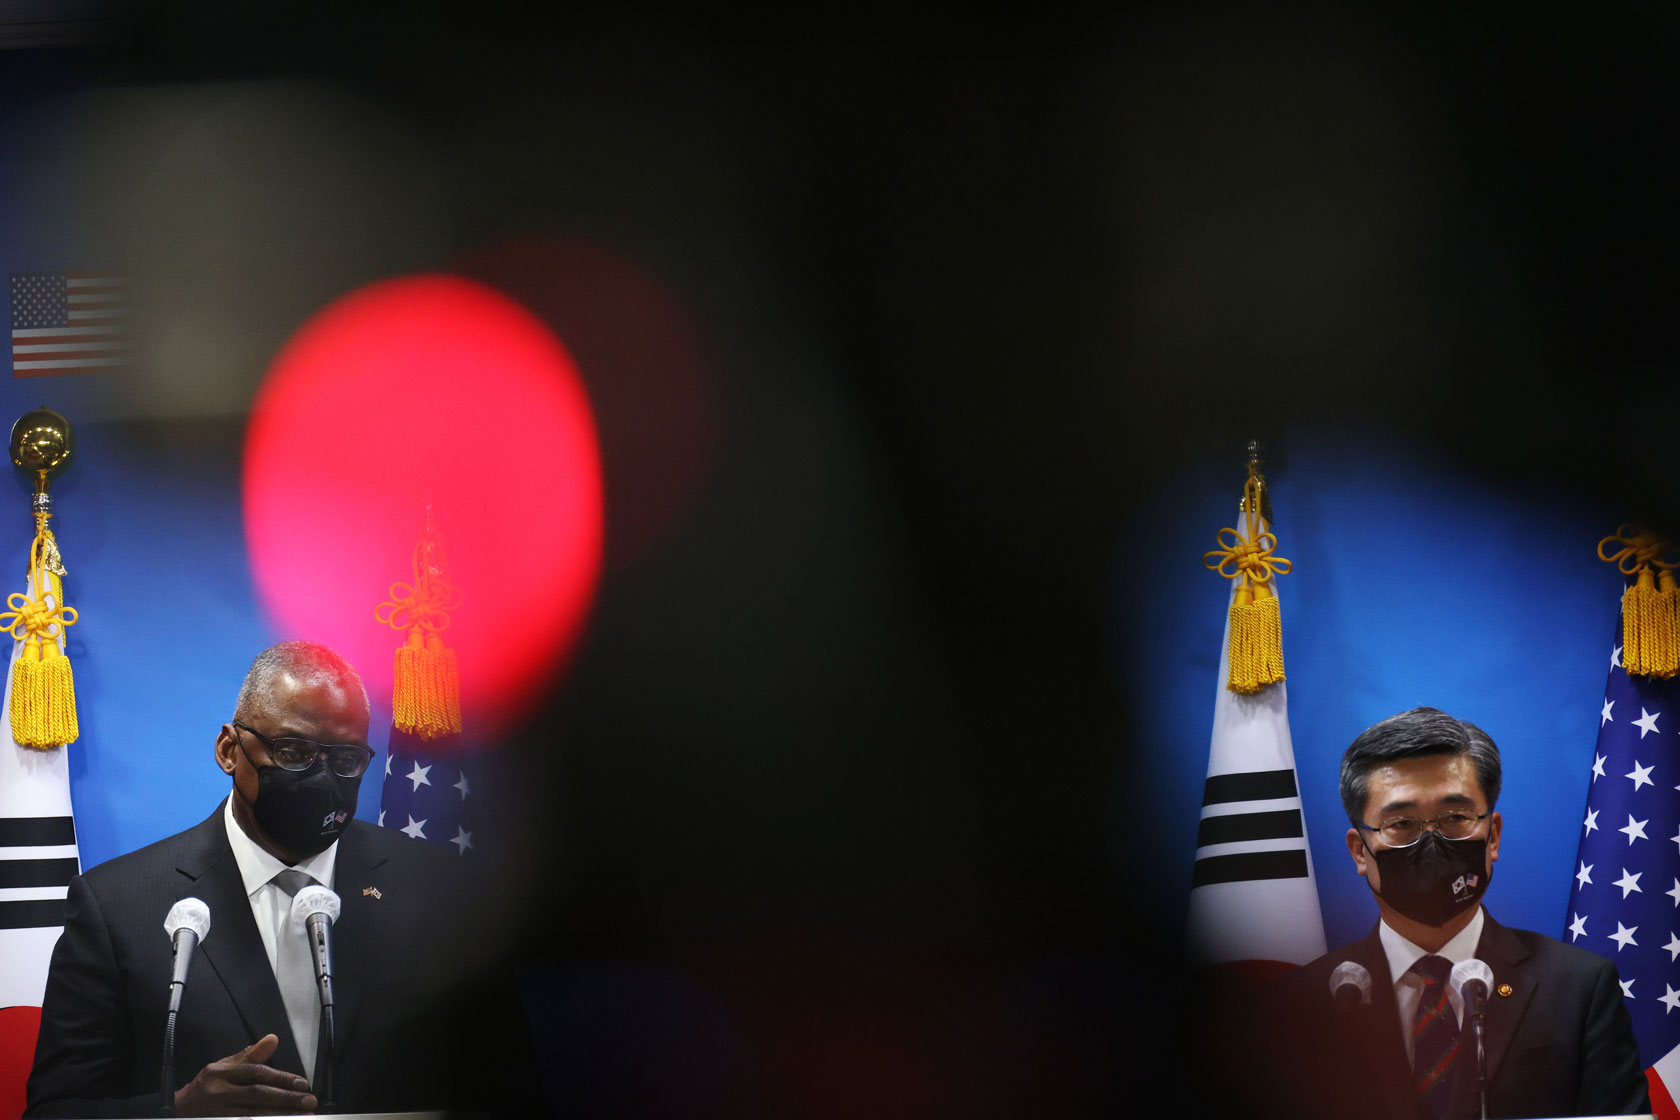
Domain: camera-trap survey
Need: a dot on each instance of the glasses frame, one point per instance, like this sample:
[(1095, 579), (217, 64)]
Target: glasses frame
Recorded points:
[(323, 751), (1426, 823)]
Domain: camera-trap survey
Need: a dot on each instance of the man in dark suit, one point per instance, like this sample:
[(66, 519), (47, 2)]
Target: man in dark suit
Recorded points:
[(295, 751), (1419, 790)]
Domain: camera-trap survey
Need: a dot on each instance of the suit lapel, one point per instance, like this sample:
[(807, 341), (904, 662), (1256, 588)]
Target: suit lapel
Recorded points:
[(1504, 953), (359, 932), (233, 947)]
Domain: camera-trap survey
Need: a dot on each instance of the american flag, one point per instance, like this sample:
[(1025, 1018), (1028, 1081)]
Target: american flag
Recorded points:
[(67, 322), (1625, 902), (432, 790)]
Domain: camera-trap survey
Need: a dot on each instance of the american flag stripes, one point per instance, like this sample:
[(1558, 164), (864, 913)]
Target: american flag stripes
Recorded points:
[(1253, 898), (67, 322), (1625, 901)]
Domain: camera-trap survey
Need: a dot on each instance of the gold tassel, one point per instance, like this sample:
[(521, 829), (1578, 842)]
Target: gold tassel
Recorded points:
[(1255, 652), (426, 693), (1650, 605), (43, 710), (426, 684)]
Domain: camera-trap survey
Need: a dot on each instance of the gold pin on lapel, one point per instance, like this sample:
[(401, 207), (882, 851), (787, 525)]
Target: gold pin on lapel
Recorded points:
[(374, 891), (1506, 989)]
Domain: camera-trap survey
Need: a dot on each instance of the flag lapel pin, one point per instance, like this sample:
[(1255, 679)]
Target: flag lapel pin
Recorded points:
[(374, 891)]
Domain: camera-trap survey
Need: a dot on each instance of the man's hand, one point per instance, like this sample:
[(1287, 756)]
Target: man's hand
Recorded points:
[(240, 1085)]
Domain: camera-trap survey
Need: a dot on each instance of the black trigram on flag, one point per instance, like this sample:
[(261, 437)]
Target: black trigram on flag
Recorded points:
[(1244, 825), (38, 858)]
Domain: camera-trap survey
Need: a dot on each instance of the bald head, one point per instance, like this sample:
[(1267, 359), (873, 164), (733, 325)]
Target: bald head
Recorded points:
[(307, 664)]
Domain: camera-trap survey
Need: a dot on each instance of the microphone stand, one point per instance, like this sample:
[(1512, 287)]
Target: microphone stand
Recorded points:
[(166, 1087), (329, 1090), (1351, 1019), (318, 927), (166, 1081), (1478, 1031)]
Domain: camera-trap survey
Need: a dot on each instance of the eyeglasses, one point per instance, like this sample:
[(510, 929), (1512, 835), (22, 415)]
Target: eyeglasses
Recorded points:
[(1403, 832), (347, 760)]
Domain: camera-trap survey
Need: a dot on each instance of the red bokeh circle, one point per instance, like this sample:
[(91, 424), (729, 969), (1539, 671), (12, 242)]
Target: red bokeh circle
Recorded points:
[(428, 393)]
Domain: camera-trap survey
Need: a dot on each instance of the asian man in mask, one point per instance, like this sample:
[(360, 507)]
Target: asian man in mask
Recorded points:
[(1419, 791), (246, 1039)]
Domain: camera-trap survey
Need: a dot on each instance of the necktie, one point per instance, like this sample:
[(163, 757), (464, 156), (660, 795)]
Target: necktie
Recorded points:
[(294, 970), (1434, 1038)]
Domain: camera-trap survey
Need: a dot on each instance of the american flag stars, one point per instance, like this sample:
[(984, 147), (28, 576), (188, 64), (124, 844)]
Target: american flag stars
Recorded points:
[(1633, 919), (1635, 830), (430, 785)]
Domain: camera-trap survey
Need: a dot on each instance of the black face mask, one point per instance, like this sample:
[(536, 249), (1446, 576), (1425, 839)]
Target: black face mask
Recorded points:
[(1435, 879), (303, 810)]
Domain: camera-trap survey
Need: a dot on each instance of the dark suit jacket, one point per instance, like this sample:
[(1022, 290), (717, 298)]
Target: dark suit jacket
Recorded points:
[(404, 1038), (1560, 1044)]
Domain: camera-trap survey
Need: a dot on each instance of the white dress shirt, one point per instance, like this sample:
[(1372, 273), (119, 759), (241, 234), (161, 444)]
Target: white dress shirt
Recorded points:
[(270, 905), (1408, 985)]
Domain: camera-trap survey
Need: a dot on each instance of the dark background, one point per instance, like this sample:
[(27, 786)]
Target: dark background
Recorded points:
[(835, 811)]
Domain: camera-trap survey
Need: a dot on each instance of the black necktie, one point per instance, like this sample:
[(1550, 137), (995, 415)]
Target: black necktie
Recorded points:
[(1434, 1038)]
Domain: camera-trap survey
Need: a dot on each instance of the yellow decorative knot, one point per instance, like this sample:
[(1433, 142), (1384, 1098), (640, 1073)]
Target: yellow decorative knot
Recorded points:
[(1640, 551), (1254, 559), (1651, 603), (1255, 654), (423, 605), (426, 687), (31, 618), (43, 709)]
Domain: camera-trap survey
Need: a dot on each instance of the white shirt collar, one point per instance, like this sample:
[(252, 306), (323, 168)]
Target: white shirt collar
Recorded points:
[(258, 866), (1402, 954)]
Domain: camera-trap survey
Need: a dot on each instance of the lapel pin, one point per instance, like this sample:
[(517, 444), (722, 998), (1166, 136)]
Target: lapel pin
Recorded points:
[(1506, 989), (374, 891)]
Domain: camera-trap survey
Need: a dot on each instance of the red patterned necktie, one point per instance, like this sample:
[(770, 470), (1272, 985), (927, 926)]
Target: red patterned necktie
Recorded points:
[(1434, 1038)]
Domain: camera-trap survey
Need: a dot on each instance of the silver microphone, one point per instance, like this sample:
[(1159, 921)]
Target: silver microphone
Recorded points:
[(1350, 984), (187, 925), (316, 908), (1472, 980)]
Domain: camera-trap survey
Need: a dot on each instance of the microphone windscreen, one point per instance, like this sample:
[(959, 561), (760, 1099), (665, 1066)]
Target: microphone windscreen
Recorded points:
[(1465, 971), (314, 900), (1351, 972), (189, 913)]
